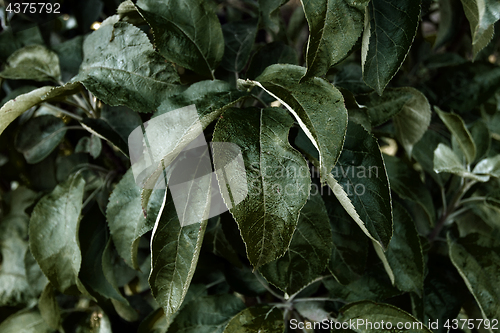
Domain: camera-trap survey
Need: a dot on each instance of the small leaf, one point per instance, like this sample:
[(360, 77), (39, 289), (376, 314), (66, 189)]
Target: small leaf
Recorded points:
[(482, 15), (120, 67), (54, 234), (359, 181), (174, 253), (91, 145), (15, 107), (316, 105), (390, 27), (445, 160), (334, 28), (260, 318), (309, 250), (49, 308), (268, 215), (39, 137), (367, 311), (405, 181), (457, 127), (207, 314), (33, 62), (477, 259), (488, 166), (126, 219), (27, 321), (423, 152), (482, 138), (187, 33), (239, 38)]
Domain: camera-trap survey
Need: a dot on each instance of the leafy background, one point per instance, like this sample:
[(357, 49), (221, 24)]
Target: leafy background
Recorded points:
[(406, 89)]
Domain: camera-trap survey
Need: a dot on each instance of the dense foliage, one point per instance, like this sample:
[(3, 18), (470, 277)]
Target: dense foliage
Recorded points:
[(369, 134)]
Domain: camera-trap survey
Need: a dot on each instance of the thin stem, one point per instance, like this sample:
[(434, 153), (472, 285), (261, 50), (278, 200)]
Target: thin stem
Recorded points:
[(216, 282), (268, 288), (260, 100), (317, 299), (69, 114), (91, 196), (456, 213), (443, 199), (314, 281)]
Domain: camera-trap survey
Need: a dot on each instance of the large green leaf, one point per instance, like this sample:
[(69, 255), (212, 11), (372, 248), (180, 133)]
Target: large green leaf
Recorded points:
[(53, 234), (477, 259), (120, 67), (350, 246), (174, 252), (39, 137), (309, 250), (33, 62), (239, 38), (25, 322), (384, 318), (208, 314), (277, 177), (404, 253), (317, 106), (261, 318), (457, 127), (405, 181), (15, 107), (482, 15), (126, 219), (334, 28), (359, 181), (390, 27), (187, 32)]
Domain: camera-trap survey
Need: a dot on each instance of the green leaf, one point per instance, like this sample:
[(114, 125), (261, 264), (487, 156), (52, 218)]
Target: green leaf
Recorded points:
[(70, 55), (270, 13), (175, 250), (270, 54), (28, 321), (350, 246), (278, 187), (239, 38), (208, 314), (488, 166), (15, 107), (390, 27), (445, 160), (126, 218), (309, 250), (53, 234), (482, 138), (448, 22), (383, 107), (359, 181), (187, 33), (457, 127), (39, 137), (334, 28), (260, 318), (405, 181), (314, 311), (316, 105), (101, 129), (482, 15), (404, 253), (423, 152), (477, 259), (120, 67), (33, 62), (376, 313), (91, 145), (122, 119), (49, 308)]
